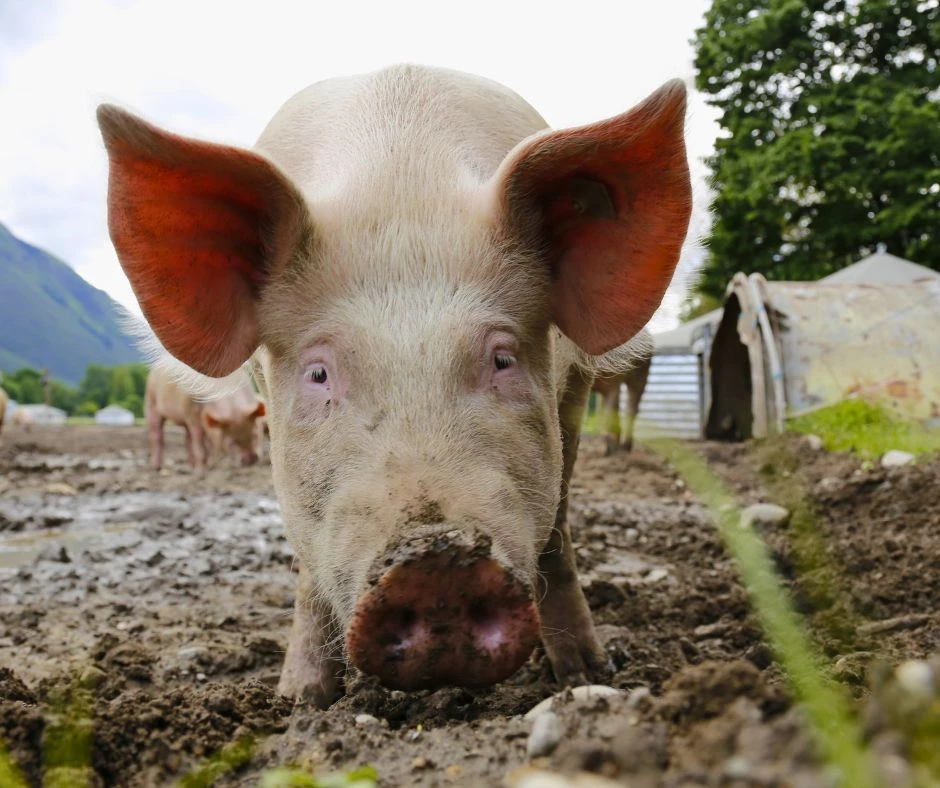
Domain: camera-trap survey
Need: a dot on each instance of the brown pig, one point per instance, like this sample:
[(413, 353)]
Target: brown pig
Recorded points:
[(608, 386), (425, 279), (223, 423)]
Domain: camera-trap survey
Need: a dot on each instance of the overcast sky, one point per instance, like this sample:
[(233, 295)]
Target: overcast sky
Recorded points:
[(220, 70)]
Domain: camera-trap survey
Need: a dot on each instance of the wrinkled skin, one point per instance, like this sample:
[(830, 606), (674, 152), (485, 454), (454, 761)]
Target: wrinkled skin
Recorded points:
[(425, 280), (226, 423), (608, 386)]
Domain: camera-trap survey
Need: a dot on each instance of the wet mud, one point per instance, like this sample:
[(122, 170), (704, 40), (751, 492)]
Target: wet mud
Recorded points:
[(158, 605)]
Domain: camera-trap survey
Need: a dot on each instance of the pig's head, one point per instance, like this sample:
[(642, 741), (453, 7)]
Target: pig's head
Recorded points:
[(403, 329), (235, 428)]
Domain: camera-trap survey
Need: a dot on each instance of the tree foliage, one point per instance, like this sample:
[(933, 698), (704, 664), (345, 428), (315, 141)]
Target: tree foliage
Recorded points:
[(831, 114), (119, 385)]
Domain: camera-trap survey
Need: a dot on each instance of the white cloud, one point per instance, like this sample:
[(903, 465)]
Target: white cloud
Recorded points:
[(220, 69)]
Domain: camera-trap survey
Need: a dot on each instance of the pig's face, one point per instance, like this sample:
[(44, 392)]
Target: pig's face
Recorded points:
[(448, 421), (396, 254)]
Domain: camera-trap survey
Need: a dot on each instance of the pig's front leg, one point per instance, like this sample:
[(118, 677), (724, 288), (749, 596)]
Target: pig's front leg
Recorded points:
[(313, 667), (567, 628)]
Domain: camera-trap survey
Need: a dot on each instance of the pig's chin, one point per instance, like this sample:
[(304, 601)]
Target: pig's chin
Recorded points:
[(439, 609)]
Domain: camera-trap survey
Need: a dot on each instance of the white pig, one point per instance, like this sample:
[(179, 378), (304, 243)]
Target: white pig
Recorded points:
[(423, 274)]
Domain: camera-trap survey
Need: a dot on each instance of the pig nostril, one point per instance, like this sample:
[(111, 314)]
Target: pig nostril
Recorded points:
[(399, 628), (487, 623)]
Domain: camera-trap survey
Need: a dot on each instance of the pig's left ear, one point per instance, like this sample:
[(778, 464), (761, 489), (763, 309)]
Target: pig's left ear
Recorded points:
[(611, 204), (198, 228)]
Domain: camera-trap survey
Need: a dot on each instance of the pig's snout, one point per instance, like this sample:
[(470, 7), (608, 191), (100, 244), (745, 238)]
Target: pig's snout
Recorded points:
[(441, 610)]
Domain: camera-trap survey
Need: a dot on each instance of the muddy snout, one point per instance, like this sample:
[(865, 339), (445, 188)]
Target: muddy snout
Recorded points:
[(438, 610)]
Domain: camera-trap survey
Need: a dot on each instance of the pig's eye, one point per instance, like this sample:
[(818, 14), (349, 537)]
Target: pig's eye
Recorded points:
[(503, 360), (317, 375)]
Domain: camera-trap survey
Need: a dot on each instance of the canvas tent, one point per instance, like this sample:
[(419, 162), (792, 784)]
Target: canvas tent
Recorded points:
[(786, 348), (115, 416), (44, 414)]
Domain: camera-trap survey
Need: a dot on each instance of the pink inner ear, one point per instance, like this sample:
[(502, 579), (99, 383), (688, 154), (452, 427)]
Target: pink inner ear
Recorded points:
[(195, 226), (612, 255)]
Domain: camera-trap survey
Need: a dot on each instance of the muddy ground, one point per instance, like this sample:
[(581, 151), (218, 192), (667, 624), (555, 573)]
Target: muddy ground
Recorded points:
[(167, 598)]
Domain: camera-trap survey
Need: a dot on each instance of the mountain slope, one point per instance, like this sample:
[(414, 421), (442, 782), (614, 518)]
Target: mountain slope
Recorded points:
[(51, 317)]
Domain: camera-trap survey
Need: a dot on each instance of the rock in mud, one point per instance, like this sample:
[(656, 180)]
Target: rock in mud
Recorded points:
[(764, 514), (576, 695), (814, 442), (60, 488), (896, 459), (546, 733)]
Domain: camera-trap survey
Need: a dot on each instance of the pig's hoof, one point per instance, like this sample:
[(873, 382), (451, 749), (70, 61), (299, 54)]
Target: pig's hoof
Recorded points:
[(310, 688), (442, 611), (586, 663)]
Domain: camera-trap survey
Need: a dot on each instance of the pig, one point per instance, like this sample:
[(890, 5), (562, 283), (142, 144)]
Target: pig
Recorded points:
[(22, 418), (424, 278), (223, 422), (608, 386)]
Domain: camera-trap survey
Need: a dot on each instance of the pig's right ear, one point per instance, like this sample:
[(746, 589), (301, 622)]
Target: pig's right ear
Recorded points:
[(198, 229), (608, 205)]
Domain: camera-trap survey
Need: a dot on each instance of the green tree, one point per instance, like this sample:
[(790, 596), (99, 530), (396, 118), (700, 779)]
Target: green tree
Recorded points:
[(831, 113), (64, 397), (122, 384), (23, 386), (96, 385)]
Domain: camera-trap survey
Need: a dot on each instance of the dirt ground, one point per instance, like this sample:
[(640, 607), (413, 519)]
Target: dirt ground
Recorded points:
[(164, 601)]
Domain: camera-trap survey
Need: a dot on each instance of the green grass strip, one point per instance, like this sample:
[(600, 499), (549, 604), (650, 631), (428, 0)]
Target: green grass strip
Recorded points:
[(10, 775), (867, 429), (833, 725), (230, 757)]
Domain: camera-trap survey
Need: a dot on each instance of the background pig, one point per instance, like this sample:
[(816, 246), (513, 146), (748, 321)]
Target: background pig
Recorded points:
[(22, 418), (608, 386), (225, 423), (424, 277)]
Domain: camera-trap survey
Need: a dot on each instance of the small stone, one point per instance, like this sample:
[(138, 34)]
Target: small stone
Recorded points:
[(190, 653), (420, 763), (896, 459), (60, 488), (638, 696), (200, 677), (121, 626), (656, 575), (580, 694), (767, 514), (814, 442), (363, 720), (916, 677), (545, 735), (454, 770), (738, 768), (91, 677)]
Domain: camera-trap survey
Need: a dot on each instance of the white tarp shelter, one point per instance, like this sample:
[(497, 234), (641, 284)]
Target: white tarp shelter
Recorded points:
[(115, 416)]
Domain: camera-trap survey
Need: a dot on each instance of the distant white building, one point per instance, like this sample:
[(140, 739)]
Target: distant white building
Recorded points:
[(41, 414), (114, 416)]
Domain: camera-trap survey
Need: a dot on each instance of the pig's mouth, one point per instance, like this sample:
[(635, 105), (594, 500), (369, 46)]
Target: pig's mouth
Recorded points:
[(441, 610)]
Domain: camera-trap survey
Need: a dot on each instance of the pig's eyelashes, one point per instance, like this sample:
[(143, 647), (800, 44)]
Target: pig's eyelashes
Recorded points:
[(317, 375), (502, 361)]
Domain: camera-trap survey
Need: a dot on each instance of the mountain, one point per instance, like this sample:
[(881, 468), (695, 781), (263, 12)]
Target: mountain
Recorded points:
[(51, 317)]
